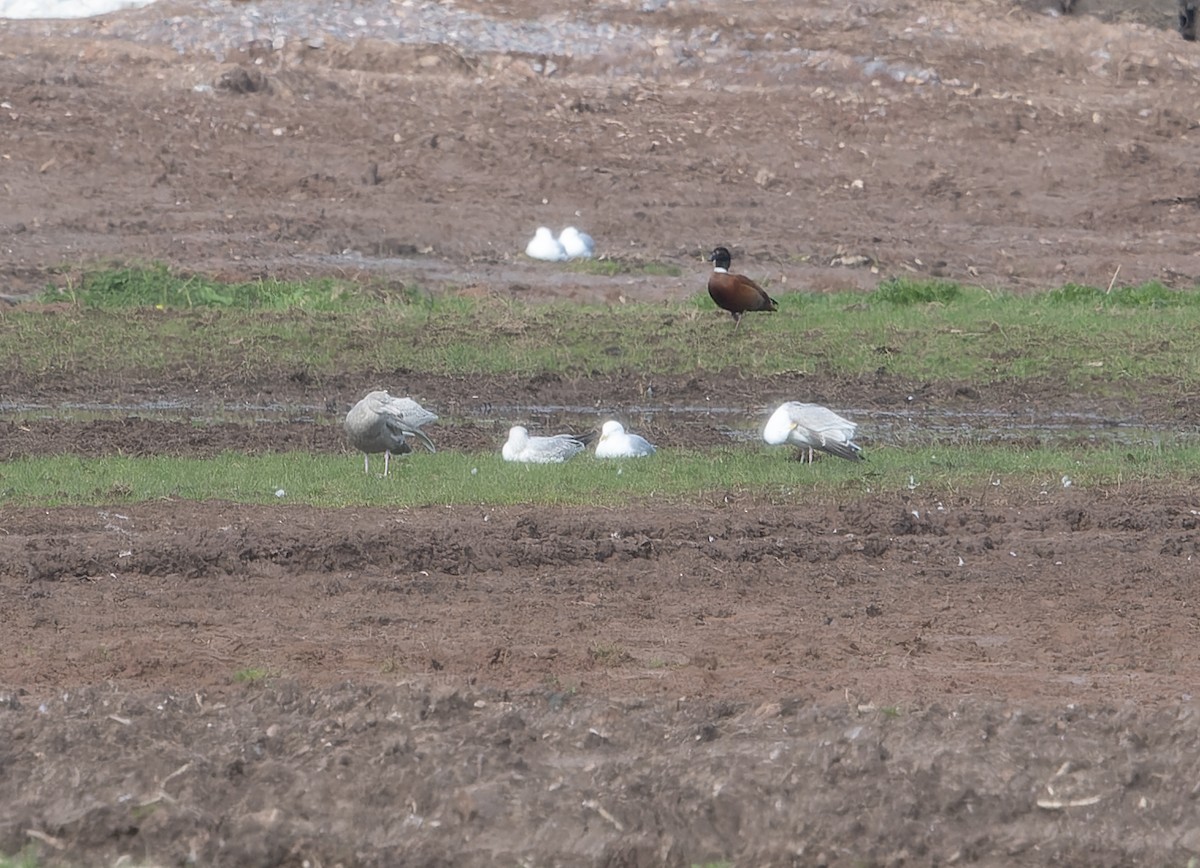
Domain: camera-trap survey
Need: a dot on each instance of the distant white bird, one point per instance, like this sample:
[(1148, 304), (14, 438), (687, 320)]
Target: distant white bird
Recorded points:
[(812, 426), (64, 8), (576, 244), (616, 442), (381, 423), (545, 246), (520, 446)]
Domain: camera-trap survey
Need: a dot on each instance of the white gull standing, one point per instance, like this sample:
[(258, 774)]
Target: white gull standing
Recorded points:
[(576, 244), (616, 442), (555, 449), (812, 426), (545, 246), (381, 423)]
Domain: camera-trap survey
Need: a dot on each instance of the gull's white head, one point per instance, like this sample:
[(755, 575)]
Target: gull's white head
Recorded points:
[(611, 428), (518, 439), (779, 427)]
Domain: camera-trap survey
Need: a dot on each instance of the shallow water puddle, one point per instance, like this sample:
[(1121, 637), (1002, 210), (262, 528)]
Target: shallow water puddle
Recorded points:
[(739, 424)]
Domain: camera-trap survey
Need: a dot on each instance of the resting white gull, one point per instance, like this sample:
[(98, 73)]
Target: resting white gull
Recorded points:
[(545, 246), (576, 244), (616, 442), (812, 426), (381, 423), (555, 449)]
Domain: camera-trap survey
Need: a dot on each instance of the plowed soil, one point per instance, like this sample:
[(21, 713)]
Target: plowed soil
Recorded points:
[(972, 677)]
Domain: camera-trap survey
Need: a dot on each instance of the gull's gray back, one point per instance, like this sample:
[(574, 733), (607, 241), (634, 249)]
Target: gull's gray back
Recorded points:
[(381, 423), (559, 447)]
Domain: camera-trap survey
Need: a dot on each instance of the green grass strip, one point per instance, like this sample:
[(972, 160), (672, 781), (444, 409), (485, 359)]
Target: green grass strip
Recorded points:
[(157, 287), (759, 473), (27, 858), (1091, 340)]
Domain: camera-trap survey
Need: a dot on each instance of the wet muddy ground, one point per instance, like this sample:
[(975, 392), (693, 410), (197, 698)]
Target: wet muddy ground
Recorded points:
[(987, 677)]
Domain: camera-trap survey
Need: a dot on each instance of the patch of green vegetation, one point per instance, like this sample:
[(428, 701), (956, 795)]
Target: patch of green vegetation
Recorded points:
[(609, 267), (160, 288), (754, 473), (1079, 338), (252, 675), (141, 812), (31, 856), (905, 291), (27, 858), (1148, 295), (609, 654)]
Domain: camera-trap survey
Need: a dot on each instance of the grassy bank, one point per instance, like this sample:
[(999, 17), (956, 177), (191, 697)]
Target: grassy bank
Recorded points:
[(151, 322), (160, 324), (755, 473)]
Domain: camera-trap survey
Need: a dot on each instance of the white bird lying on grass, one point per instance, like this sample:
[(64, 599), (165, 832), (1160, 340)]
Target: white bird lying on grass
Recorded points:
[(545, 246), (616, 442), (555, 449), (576, 244), (812, 426), (381, 423)]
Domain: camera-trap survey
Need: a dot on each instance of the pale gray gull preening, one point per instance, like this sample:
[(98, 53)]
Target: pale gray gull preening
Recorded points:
[(381, 423), (811, 426), (545, 246), (555, 449), (576, 244), (616, 442)]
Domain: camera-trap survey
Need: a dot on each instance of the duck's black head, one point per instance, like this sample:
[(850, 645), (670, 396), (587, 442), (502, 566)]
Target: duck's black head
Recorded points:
[(720, 257)]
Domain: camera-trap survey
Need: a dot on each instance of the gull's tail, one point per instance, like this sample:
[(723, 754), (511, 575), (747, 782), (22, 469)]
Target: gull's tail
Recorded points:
[(849, 451), (586, 438)]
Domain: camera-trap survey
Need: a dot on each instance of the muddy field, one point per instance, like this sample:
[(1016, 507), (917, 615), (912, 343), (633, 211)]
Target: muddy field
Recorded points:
[(986, 677)]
